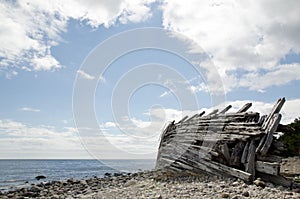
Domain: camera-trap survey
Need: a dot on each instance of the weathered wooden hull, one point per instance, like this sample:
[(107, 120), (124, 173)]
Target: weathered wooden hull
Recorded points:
[(223, 144)]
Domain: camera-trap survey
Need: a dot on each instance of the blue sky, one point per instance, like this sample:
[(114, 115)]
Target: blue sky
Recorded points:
[(253, 47)]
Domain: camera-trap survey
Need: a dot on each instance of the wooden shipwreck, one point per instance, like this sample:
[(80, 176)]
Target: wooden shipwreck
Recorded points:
[(237, 144)]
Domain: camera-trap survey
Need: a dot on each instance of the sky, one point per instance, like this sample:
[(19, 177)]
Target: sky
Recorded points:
[(100, 79)]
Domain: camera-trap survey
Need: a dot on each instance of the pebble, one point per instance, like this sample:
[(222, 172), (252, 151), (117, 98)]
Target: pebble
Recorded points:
[(258, 182), (297, 190), (236, 183), (130, 183), (246, 194), (225, 195)]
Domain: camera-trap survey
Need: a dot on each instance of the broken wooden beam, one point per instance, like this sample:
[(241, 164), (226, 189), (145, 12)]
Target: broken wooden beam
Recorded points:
[(270, 131), (225, 109), (182, 120), (225, 152), (245, 108), (235, 158), (250, 161), (275, 110), (267, 167)]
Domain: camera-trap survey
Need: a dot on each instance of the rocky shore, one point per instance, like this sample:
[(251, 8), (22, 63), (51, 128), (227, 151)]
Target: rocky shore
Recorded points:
[(153, 184)]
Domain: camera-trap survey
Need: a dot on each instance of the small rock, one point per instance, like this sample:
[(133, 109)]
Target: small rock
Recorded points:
[(159, 197), (258, 182), (40, 177), (130, 183), (55, 197), (225, 195), (271, 185), (288, 193), (11, 195), (236, 183), (246, 194), (83, 182), (295, 190), (35, 189), (30, 194), (117, 174)]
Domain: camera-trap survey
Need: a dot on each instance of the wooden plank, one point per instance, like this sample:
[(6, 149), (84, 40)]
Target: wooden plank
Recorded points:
[(269, 158), (250, 162), (189, 119), (226, 118), (198, 165), (272, 128), (209, 136), (245, 153), (262, 120), (201, 114), (235, 158), (276, 109), (225, 152), (182, 120), (267, 167), (228, 170), (245, 108), (215, 111), (261, 143), (225, 109), (217, 130), (194, 117)]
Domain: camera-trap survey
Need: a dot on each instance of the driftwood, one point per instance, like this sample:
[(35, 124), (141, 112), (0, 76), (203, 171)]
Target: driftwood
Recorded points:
[(221, 143), (250, 161)]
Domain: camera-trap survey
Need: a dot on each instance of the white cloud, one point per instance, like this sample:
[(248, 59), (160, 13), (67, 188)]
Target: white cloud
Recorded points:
[(164, 94), (110, 124), (248, 37), (278, 76), (198, 88), (30, 28), (19, 140), (85, 75), (29, 109)]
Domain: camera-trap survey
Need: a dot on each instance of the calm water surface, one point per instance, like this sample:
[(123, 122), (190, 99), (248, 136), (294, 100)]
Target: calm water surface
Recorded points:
[(20, 173)]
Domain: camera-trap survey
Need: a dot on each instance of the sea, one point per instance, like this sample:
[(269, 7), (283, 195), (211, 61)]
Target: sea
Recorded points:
[(21, 173)]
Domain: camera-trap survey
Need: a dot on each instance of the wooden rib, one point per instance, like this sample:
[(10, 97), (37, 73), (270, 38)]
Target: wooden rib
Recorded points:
[(225, 109), (270, 131), (245, 108)]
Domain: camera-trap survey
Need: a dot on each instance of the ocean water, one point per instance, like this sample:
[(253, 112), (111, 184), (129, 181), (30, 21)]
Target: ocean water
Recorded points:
[(21, 173)]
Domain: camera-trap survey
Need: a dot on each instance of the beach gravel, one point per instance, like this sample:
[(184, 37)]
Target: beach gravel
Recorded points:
[(152, 184)]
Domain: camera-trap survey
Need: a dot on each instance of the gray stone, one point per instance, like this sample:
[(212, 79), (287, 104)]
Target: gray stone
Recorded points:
[(55, 197), (236, 183), (225, 195), (296, 190), (40, 177), (246, 194), (35, 189), (130, 183), (258, 182)]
